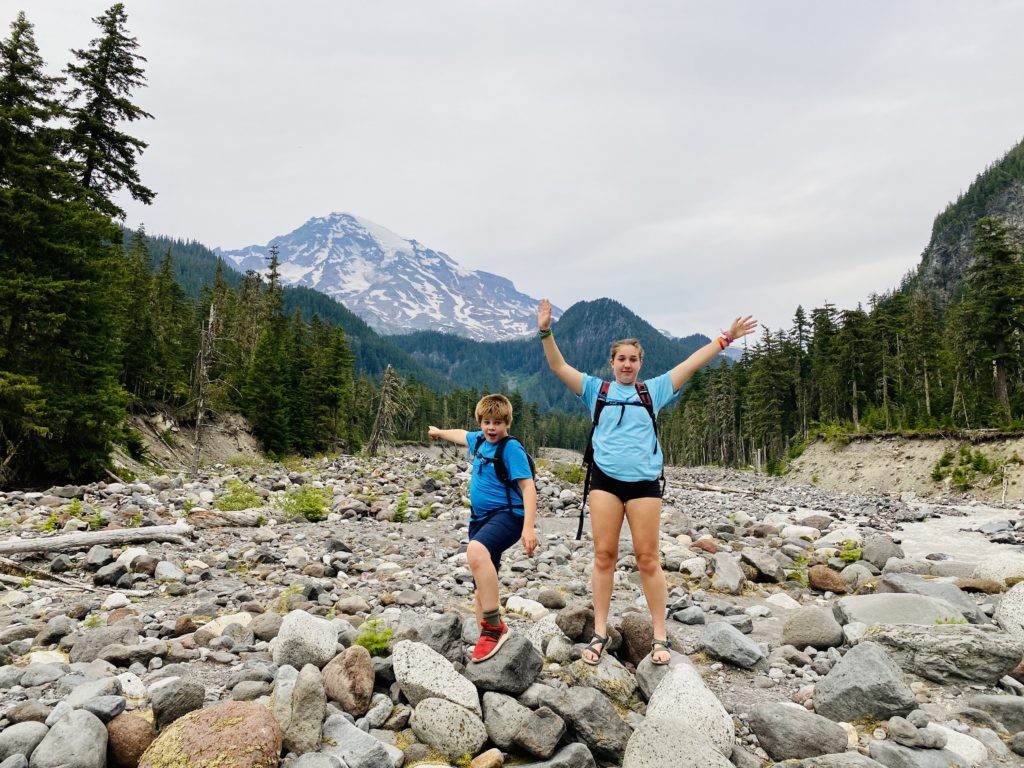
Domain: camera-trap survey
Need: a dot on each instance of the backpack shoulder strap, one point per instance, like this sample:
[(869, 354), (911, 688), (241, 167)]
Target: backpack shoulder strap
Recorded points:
[(645, 397), (500, 468), (479, 442)]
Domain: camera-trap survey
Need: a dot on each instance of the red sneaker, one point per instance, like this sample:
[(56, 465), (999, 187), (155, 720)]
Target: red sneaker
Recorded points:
[(491, 639)]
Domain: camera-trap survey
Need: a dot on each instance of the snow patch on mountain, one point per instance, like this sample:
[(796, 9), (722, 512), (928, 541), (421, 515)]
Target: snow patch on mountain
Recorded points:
[(395, 285)]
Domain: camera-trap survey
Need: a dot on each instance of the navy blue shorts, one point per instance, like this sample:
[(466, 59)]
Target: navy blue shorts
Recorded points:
[(625, 492), (497, 533)]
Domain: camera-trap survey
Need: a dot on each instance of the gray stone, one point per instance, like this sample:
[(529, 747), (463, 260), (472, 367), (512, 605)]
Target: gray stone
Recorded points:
[(909, 583), (299, 706), (682, 694), (1010, 611), (423, 673), (15, 761), (855, 576), (950, 654), (767, 566), (671, 741), (725, 642), (167, 571), (89, 644), (728, 576), (812, 626), (443, 634), (77, 740), (305, 639), (56, 628), (895, 608), (1008, 710), (265, 626), (571, 756), (449, 728), (511, 670), (692, 615), (41, 674), (21, 738), (317, 760), (540, 733), (355, 748), (592, 718), (878, 549), (895, 755), (503, 718), (174, 697), (106, 708), (864, 683), (902, 731), (649, 674), (787, 731), (845, 760), (608, 676)]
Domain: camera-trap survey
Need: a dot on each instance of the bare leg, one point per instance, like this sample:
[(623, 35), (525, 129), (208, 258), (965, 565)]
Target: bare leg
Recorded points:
[(486, 578), (606, 515), (644, 517)]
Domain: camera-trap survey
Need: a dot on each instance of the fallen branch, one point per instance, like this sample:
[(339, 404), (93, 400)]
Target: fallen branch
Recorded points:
[(215, 518), (176, 534), (715, 488)]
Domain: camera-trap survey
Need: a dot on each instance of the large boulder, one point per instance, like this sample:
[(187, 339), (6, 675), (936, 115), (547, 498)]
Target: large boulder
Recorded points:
[(682, 695), (77, 740), (814, 626), (787, 731), (864, 683), (1008, 710), (878, 549), (128, 737), (299, 706), (447, 727), (895, 609), (592, 718), (671, 741), (504, 718), (950, 654), (607, 676), (231, 734), (892, 754), (174, 697), (916, 585), (423, 673), (1010, 612), (348, 680), (512, 670), (304, 639), (21, 738), (353, 747), (88, 645), (1000, 567)]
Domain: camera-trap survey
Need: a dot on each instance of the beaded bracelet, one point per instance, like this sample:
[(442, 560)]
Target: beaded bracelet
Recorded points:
[(545, 333)]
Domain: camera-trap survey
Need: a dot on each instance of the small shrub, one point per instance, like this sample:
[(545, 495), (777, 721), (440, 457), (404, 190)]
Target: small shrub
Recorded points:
[(133, 444), (261, 519), (401, 507), (850, 552), (189, 505), (239, 496), (96, 521), (52, 523), (426, 512), (169, 437), (93, 621), (440, 475), (374, 637), (306, 501), (574, 474), (136, 520), (814, 479), (75, 508), (776, 467)]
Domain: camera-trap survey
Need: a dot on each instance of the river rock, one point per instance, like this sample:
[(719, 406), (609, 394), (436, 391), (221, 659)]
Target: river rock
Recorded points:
[(1000, 567), (728, 576), (864, 683), (21, 738), (540, 734), (305, 639), (1008, 710), (912, 584), (814, 626), (682, 695), (77, 740), (895, 609), (950, 654), (607, 676), (423, 673), (878, 549), (725, 642), (1010, 611), (823, 578), (299, 706), (896, 755), (231, 734), (592, 718), (511, 670), (354, 747), (503, 718), (174, 697), (787, 731), (448, 727), (88, 645), (348, 680), (671, 741), (128, 737)]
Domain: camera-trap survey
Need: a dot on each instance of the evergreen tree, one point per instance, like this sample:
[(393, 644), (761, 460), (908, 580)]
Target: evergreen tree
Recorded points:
[(99, 100)]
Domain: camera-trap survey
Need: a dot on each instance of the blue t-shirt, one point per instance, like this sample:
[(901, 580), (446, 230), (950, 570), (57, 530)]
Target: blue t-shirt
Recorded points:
[(625, 446), (487, 493)]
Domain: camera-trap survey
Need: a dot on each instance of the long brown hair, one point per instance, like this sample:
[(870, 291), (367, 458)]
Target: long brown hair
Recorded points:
[(626, 342)]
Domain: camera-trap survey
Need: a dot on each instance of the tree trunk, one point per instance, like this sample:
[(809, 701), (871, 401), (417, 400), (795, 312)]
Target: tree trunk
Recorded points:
[(176, 533)]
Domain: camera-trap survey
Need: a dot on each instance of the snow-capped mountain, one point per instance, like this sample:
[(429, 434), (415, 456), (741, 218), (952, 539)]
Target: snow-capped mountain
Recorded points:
[(395, 285)]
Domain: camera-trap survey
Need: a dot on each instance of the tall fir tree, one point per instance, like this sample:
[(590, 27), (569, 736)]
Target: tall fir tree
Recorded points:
[(99, 100)]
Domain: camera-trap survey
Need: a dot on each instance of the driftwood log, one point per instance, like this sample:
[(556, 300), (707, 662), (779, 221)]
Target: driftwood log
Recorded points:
[(176, 534), (215, 518)]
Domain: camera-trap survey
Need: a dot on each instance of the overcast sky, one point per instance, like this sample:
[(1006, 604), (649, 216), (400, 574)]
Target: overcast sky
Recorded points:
[(692, 160)]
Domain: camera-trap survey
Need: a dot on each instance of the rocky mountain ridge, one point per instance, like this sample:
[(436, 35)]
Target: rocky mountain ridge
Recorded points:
[(394, 284)]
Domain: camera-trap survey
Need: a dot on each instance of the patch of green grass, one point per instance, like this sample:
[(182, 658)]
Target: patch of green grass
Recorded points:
[(52, 523), (426, 512), (850, 552), (374, 637), (93, 621), (96, 521), (75, 508), (136, 520), (237, 497), (440, 475), (968, 465), (951, 621), (306, 501)]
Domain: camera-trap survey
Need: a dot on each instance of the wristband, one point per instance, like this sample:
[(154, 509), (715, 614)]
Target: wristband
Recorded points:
[(544, 334), (727, 337), (721, 343)]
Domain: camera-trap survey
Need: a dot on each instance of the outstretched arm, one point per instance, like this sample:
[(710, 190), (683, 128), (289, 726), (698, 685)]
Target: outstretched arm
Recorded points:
[(457, 436), (681, 374), (568, 375)]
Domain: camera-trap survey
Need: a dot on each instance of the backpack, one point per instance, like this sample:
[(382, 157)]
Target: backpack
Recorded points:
[(501, 468), (588, 453)]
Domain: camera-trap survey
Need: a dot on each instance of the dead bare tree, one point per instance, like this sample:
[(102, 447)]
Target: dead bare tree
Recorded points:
[(393, 406), (201, 383)]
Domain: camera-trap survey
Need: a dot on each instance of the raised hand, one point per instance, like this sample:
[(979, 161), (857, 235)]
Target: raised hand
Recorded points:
[(433, 432), (742, 326), (544, 315)]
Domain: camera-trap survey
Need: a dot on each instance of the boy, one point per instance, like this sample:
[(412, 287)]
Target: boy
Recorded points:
[(500, 514)]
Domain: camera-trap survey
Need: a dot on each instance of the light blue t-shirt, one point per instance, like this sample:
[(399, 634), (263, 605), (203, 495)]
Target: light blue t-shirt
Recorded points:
[(625, 446), (487, 493)]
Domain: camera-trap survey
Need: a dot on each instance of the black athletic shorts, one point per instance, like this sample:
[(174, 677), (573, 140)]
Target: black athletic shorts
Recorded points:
[(626, 492), (497, 532)]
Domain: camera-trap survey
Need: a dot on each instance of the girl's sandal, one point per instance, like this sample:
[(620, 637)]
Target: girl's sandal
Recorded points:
[(596, 647), (661, 646)]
